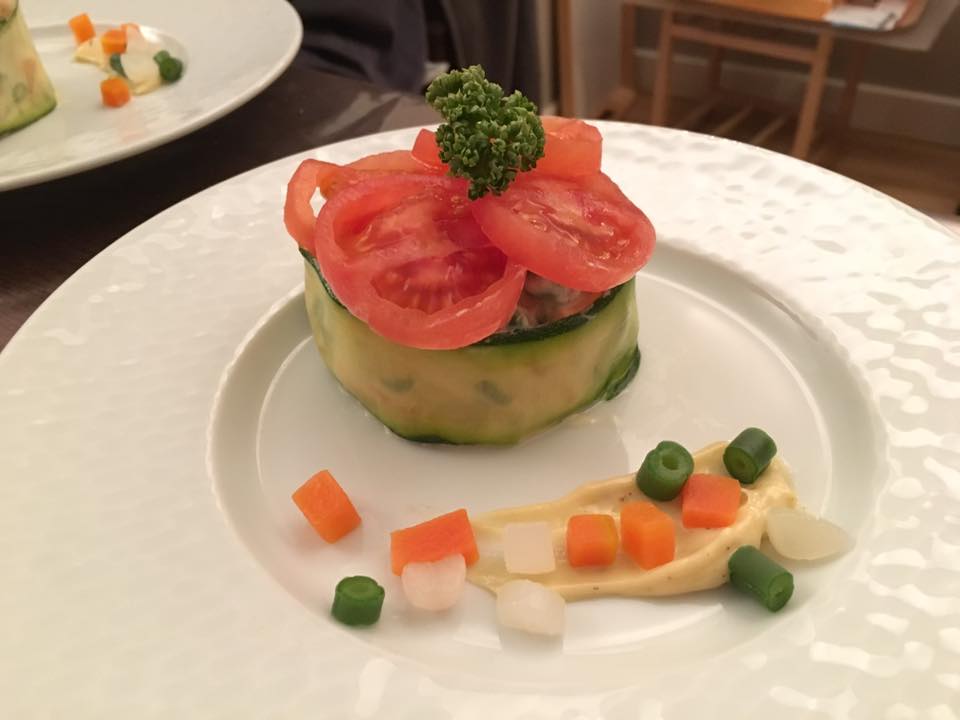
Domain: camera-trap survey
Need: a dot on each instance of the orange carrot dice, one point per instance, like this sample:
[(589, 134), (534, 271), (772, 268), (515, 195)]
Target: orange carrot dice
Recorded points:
[(82, 28), (114, 41), (450, 534), (326, 506), (115, 92), (647, 534), (709, 501), (591, 540)]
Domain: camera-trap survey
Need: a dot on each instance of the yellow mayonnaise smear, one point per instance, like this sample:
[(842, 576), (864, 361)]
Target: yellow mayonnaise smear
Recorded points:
[(701, 557)]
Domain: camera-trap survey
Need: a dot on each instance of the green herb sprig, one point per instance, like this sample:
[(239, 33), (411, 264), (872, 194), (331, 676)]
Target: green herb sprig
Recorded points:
[(487, 137)]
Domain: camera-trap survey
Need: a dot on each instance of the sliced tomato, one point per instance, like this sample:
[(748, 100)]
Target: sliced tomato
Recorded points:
[(386, 163), (329, 178), (426, 151), (405, 255), (573, 147), (298, 215), (583, 233)]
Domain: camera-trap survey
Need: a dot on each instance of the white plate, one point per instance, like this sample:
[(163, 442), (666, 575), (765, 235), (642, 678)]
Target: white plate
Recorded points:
[(157, 411), (231, 52)]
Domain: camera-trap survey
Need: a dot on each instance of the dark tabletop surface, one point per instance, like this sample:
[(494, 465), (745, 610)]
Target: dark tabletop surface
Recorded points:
[(57, 226)]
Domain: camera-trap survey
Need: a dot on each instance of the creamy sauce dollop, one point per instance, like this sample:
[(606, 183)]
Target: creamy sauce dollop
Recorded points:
[(701, 556)]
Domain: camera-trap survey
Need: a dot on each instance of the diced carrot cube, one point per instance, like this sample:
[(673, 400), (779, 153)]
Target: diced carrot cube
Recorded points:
[(326, 506), (114, 92), (450, 534), (709, 501), (82, 28), (114, 41), (591, 540), (648, 534)]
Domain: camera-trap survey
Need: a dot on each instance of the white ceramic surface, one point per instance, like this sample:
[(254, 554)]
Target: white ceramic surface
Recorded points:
[(158, 410), (231, 51)]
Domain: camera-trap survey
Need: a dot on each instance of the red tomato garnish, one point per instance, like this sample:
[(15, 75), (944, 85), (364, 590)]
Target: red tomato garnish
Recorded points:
[(386, 163), (298, 216), (405, 255), (329, 178), (426, 151), (583, 232), (573, 147)]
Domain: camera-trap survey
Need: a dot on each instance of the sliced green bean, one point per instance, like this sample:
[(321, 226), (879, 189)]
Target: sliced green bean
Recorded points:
[(749, 455), (116, 64), (664, 471), (755, 574), (357, 600), (170, 67)]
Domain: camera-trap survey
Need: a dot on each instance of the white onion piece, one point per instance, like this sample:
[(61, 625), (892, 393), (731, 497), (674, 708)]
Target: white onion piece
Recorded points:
[(91, 52), (142, 71), (798, 535), (137, 43), (434, 585), (528, 548), (530, 607)]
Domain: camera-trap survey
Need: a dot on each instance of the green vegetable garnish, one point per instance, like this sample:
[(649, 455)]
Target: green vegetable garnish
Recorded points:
[(487, 138), (664, 471), (170, 67), (116, 63), (754, 573), (357, 600), (749, 454)]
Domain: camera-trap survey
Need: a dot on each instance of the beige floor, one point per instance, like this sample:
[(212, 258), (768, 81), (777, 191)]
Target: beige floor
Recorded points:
[(922, 174)]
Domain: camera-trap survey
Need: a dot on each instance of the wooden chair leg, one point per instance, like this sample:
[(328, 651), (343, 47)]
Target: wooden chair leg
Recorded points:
[(806, 124), (564, 34), (855, 64), (768, 130), (622, 98), (661, 83), (628, 42), (715, 69)]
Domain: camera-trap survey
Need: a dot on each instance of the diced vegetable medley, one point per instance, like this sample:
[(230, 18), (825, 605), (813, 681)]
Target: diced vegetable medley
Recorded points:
[(125, 53)]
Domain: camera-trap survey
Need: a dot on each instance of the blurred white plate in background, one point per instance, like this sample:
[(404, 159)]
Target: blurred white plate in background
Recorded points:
[(231, 50)]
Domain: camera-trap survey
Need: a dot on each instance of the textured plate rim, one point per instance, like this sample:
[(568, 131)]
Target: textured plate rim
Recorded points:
[(37, 319)]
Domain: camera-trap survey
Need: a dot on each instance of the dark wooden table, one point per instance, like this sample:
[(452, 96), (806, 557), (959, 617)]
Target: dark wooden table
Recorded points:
[(50, 230)]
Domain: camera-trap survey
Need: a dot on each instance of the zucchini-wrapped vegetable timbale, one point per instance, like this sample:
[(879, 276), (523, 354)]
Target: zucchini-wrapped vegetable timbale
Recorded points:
[(26, 93)]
